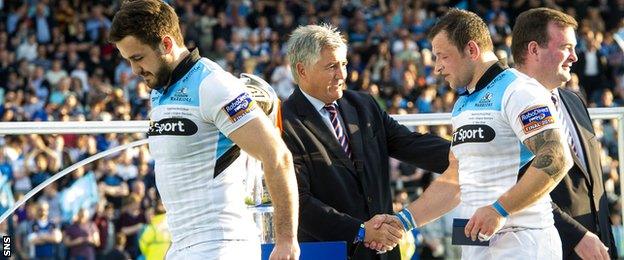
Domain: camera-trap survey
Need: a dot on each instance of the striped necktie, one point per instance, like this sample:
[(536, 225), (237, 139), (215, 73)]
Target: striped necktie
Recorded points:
[(340, 134), (564, 123)]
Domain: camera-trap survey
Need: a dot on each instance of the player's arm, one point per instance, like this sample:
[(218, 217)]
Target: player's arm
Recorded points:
[(261, 139), (442, 196), (552, 161), (531, 114), (234, 112)]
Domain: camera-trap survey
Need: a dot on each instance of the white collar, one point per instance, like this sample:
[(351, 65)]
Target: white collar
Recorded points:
[(316, 103)]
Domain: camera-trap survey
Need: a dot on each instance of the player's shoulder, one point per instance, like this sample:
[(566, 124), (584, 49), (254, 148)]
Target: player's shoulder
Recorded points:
[(525, 83), (211, 70), (215, 79)]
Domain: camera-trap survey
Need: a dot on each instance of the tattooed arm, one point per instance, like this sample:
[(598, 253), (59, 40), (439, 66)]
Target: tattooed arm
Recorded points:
[(552, 161)]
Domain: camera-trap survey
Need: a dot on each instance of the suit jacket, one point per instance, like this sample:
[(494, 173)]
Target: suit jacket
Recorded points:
[(579, 201), (336, 193)]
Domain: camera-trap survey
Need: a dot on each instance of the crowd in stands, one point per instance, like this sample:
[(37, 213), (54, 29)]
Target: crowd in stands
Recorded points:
[(57, 65)]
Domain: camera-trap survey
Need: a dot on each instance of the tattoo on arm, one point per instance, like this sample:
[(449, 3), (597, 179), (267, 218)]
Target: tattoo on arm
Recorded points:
[(548, 151)]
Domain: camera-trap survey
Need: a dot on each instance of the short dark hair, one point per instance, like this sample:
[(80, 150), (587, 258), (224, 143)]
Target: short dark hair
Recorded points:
[(532, 25), (461, 27), (146, 20)]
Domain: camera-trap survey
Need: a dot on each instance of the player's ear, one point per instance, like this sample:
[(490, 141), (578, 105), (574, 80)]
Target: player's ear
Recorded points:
[(472, 50), (166, 45), (532, 49)]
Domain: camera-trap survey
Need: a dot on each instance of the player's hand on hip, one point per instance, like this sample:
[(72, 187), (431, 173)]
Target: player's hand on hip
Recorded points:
[(484, 223), (590, 247), (285, 251)]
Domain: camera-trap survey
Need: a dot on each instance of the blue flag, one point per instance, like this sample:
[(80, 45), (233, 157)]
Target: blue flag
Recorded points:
[(82, 194), (6, 195)]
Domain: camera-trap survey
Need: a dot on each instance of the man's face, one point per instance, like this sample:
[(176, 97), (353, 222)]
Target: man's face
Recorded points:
[(325, 79), (556, 58), (42, 211), (452, 64), (145, 61)]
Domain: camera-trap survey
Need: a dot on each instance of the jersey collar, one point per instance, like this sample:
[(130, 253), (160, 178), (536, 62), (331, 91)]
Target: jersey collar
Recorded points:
[(488, 76), (185, 65)]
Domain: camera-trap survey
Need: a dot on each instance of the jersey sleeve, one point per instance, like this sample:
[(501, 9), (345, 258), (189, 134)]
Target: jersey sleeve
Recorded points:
[(224, 102), (530, 110)]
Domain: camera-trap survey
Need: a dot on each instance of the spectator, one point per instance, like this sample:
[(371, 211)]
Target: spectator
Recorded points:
[(119, 252), (28, 49), (56, 73), (44, 236), (82, 237), (42, 23), (50, 197), (42, 59), (155, 239), (589, 67), (131, 222), (618, 230), (125, 167), (23, 245), (499, 29), (282, 79), (43, 161), (104, 216), (5, 166), (254, 50), (97, 23), (111, 184)]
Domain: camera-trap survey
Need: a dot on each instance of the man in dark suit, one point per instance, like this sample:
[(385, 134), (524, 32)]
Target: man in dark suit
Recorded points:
[(543, 48), (341, 141)]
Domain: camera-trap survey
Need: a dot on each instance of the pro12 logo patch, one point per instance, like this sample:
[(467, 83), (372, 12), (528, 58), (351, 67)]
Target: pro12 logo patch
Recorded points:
[(239, 107), (535, 118)]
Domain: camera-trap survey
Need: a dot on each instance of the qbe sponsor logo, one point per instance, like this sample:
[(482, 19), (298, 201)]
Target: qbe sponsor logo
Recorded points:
[(172, 126), (535, 118), (473, 134)]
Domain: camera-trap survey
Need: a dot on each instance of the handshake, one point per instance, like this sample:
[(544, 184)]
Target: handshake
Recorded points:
[(383, 232)]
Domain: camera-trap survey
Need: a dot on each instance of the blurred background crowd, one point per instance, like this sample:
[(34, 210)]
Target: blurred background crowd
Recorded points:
[(57, 65)]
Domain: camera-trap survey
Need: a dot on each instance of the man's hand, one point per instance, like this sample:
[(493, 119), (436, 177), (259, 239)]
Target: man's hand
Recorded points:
[(380, 219), (383, 232), (484, 223), (590, 247), (285, 251)]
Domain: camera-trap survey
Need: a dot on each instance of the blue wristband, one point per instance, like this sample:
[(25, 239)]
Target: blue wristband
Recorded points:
[(361, 234), (499, 208), (403, 221), (406, 219)]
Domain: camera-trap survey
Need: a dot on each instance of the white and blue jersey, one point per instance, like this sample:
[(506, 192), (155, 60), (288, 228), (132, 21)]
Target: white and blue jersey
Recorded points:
[(199, 170), (489, 128)]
